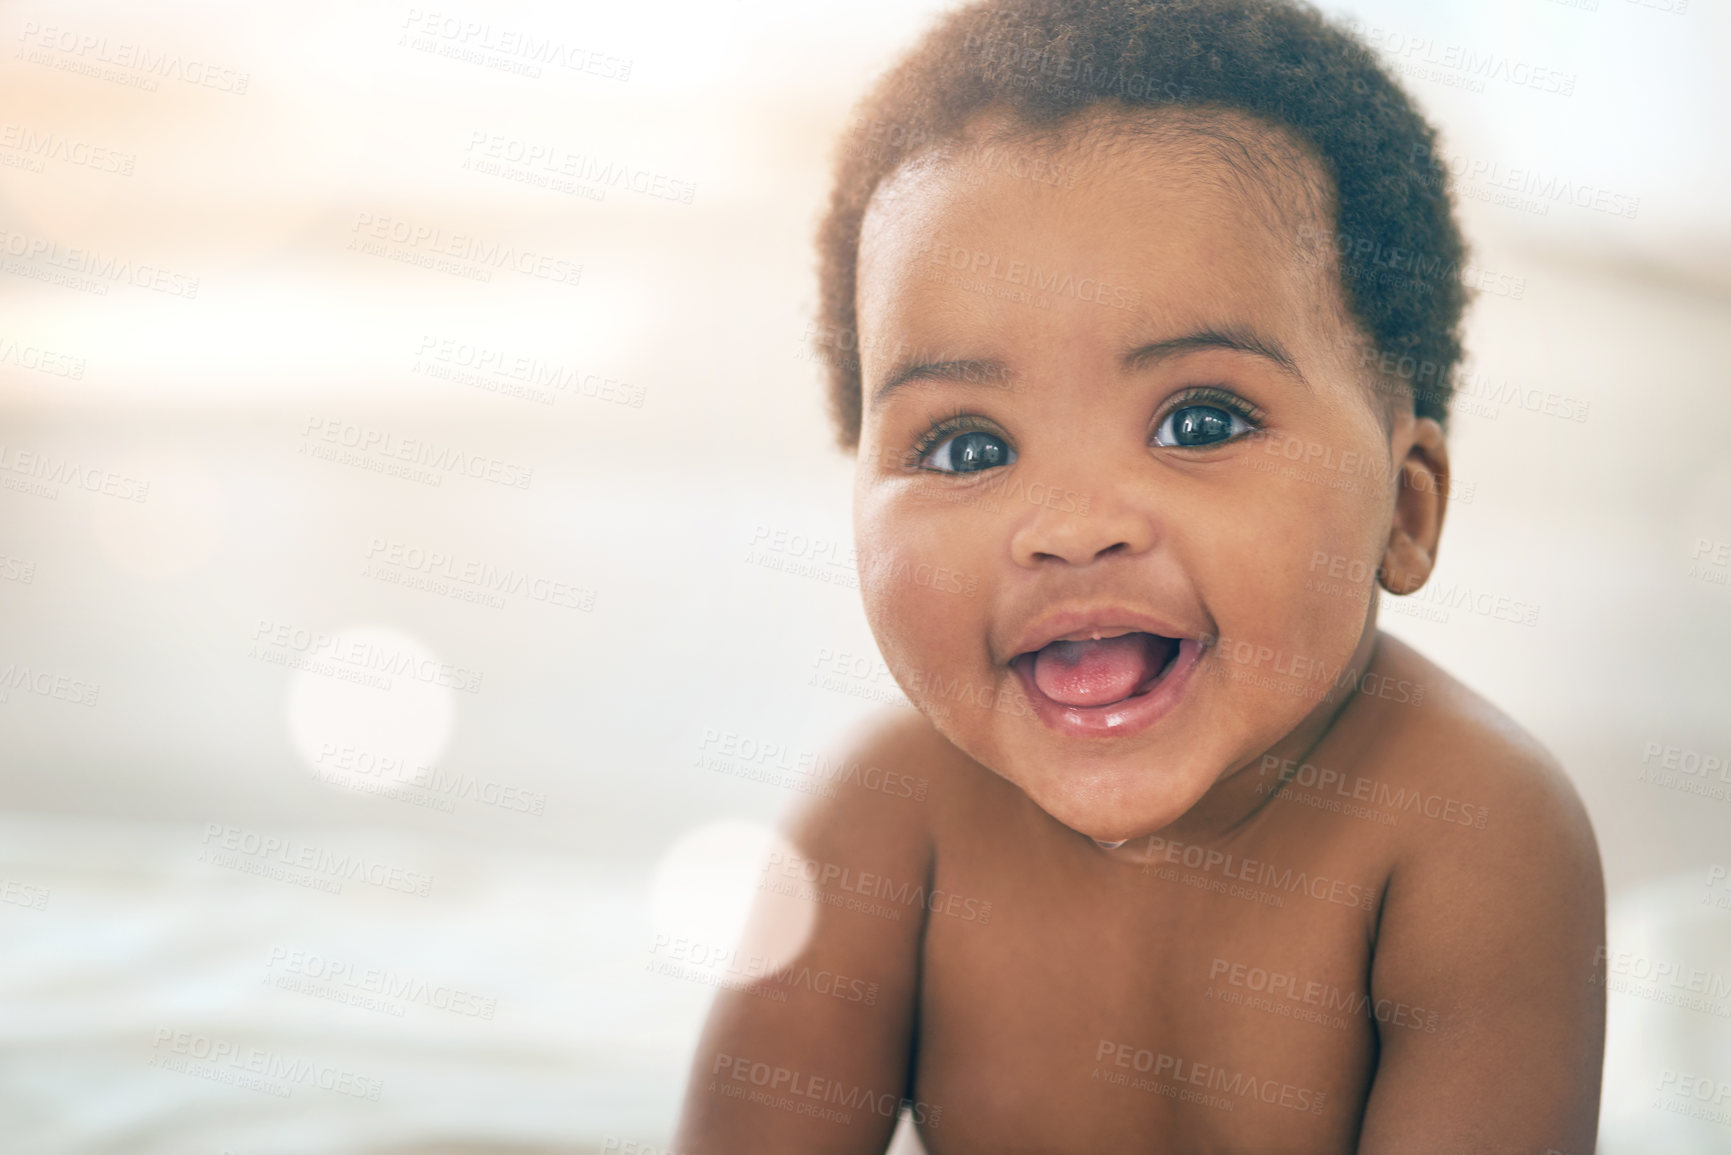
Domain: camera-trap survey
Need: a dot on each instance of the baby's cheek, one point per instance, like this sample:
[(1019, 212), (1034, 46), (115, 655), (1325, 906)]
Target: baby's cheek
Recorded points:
[(890, 603), (925, 603), (1332, 588), (920, 595), (1335, 549), (1292, 606)]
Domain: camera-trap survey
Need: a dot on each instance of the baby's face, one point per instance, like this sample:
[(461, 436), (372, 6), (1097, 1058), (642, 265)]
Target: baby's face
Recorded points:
[(1103, 388)]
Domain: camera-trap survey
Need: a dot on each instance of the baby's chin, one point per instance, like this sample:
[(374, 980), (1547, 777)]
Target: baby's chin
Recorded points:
[(1109, 810)]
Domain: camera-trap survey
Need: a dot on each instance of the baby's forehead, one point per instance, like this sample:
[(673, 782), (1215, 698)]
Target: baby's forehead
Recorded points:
[(1197, 218), (1151, 174), (1227, 150)]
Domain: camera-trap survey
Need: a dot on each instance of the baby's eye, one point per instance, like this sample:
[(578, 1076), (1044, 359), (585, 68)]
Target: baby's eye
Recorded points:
[(969, 452), (1192, 425)]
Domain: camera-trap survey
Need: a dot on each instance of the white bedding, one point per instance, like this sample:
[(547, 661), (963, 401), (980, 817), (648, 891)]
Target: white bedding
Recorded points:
[(142, 958)]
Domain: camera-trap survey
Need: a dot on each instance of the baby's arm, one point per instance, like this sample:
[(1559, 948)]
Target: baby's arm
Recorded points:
[(1495, 930), (815, 1050)]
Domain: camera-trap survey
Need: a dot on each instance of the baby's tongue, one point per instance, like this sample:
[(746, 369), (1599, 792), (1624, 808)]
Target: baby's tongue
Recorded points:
[(1092, 673)]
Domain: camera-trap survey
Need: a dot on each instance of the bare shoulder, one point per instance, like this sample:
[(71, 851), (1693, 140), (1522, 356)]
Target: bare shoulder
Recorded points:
[(908, 739), (895, 769), (892, 782), (1490, 924), (1476, 768)]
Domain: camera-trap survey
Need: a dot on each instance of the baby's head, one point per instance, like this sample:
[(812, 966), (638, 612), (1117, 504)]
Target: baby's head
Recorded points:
[(1130, 363)]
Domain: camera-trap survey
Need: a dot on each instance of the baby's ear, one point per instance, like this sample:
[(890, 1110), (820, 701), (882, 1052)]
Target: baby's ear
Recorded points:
[(1421, 497)]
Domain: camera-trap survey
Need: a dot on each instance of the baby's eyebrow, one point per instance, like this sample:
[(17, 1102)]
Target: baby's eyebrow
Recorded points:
[(1242, 340), (993, 374)]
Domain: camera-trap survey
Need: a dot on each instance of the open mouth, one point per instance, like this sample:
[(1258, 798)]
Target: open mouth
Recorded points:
[(1095, 673)]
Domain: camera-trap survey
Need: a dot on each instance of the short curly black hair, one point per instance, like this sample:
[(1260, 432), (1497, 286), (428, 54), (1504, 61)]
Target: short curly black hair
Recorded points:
[(1396, 246)]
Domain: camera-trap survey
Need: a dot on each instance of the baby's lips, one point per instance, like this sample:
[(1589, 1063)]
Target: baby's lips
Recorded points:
[(1079, 622)]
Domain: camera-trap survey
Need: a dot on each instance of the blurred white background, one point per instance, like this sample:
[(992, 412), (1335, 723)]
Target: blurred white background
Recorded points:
[(406, 852)]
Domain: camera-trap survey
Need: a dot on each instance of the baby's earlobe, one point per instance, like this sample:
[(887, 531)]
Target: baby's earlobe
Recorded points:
[(1405, 565)]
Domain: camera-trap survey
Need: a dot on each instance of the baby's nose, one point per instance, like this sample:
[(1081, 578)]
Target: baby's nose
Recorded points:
[(1080, 529)]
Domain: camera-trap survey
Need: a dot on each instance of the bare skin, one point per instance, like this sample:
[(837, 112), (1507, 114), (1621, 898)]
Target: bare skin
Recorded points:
[(1327, 900)]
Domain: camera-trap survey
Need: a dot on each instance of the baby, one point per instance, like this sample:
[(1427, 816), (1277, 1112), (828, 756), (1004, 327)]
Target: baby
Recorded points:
[(1151, 309)]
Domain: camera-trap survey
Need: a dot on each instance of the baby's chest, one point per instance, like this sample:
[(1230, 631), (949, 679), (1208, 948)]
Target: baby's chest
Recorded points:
[(1220, 1008)]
